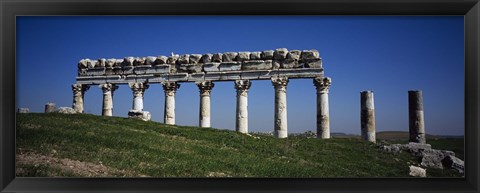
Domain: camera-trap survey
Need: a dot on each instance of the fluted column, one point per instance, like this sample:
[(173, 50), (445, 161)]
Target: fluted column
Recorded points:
[(416, 118), (138, 90), (280, 125), (367, 116), (241, 124), (323, 115), (78, 96), (170, 89), (107, 106), (205, 91)]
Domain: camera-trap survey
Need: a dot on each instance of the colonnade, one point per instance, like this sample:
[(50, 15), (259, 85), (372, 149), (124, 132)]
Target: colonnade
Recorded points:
[(322, 85)]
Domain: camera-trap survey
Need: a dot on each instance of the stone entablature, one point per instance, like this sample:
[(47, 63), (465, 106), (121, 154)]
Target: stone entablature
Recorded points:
[(202, 67)]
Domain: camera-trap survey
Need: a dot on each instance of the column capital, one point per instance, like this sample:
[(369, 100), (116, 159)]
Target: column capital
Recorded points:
[(280, 83), (205, 87), (322, 84), (138, 88), (80, 88), (170, 87), (108, 87)]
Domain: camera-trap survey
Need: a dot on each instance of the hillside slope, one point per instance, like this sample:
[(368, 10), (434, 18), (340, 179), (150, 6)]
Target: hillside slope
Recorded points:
[(88, 145)]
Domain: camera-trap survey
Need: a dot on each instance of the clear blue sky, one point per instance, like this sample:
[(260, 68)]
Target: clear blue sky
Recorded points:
[(387, 54)]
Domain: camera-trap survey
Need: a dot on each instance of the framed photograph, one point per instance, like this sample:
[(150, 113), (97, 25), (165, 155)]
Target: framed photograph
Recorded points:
[(182, 96)]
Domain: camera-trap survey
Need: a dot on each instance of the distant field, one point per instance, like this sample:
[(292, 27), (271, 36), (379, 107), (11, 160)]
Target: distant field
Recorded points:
[(94, 146)]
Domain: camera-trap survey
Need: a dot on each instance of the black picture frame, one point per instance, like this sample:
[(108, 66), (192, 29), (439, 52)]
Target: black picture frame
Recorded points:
[(10, 9)]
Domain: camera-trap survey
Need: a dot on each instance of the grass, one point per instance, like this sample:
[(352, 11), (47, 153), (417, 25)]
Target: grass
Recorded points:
[(158, 150)]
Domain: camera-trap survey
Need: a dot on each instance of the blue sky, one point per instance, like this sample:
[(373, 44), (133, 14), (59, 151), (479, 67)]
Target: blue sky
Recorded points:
[(387, 54)]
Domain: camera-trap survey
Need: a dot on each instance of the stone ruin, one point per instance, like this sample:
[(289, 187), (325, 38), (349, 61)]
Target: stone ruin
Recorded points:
[(277, 65)]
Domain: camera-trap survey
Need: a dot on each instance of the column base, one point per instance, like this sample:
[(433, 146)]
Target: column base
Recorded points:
[(137, 114)]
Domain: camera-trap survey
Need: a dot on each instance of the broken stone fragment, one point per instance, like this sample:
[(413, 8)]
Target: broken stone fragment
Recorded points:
[(194, 58), (128, 61), (23, 110), (161, 60), (255, 55), (229, 56), (141, 115), (453, 162), (267, 55), (50, 107), (311, 63), (150, 60), (206, 58), (217, 57), (101, 62), (92, 63), (257, 65), (66, 110), (110, 62), (183, 59), (289, 63), (309, 54), (139, 61), (294, 54), (280, 54), (417, 171), (242, 56)]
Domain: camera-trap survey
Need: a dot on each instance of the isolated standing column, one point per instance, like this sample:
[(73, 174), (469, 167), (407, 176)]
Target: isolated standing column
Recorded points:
[(242, 87), (416, 119), (138, 90), (78, 96), (367, 116), (107, 106), (280, 125), (170, 89), (323, 117), (205, 91)]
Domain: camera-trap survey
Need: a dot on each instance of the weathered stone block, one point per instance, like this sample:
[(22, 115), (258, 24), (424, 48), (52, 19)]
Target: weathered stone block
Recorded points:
[(117, 70), (161, 60), (101, 62), (189, 68), (255, 55), (230, 76), (150, 60), (206, 58), (211, 67), (267, 55), (50, 108), (229, 56), (417, 171), (217, 57), (242, 56), (183, 59), (294, 54), (311, 63), (290, 63), (139, 61), (159, 69), (257, 65), (83, 63), (92, 63), (110, 62), (309, 55), (194, 58), (96, 71), (276, 64), (141, 115), (66, 110), (109, 71), (141, 69), (196, 77), (230, 66), (178, 77), (128, 61), (280, 54), (173, 59), (82, 72), (118, 63), (453, 162), (23, 110), (213, 76)]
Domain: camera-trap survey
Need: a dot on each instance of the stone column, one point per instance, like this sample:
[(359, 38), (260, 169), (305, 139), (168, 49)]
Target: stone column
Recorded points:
[(416, 119), (107, 106), (138, 90), (367, 116), (205, 90), (323, 115), (241, 124), (169, 111), (280, 128), (78, 96)]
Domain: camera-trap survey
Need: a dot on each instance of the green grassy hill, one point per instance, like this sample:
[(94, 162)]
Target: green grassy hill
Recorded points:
[(88, 145)]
